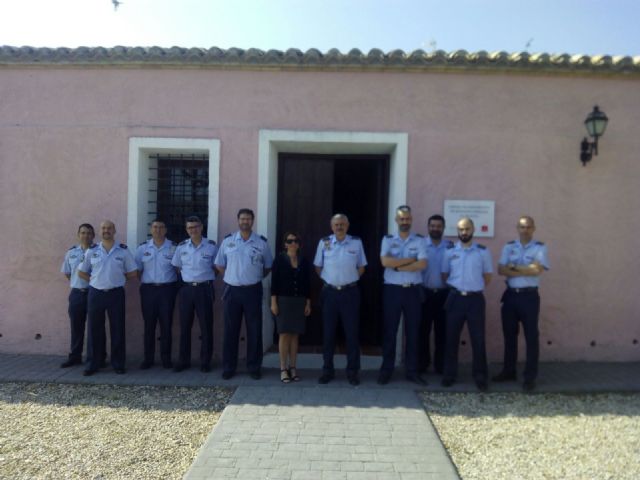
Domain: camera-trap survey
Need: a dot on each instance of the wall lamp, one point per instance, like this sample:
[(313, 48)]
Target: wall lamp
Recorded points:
[(596, 124)]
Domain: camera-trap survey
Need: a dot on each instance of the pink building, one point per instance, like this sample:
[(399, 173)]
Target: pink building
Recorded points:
[(124, 133)]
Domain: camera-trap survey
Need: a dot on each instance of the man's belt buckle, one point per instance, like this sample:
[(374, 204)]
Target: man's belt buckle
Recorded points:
[(464, 294), (407, 285)]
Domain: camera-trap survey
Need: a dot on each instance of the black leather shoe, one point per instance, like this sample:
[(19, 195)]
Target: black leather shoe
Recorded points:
[(145, 365), (88, 372), (325, 378), (256, 375), (70, 363), (205, 368), (384, 378), (447, 382), (417, 379), (353, 380), (529, 385), (482, 385), (180, 367), (120, 371), (504, 377), (227, 375), (167, 364)]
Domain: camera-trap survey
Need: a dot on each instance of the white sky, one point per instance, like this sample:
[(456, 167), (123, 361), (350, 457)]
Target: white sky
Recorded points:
[(552, 26)]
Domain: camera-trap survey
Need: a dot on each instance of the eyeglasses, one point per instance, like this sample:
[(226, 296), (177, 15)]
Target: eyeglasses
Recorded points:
[(289, 241)]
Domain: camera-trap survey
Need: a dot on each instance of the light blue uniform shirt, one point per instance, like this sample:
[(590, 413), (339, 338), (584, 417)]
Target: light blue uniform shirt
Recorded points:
[(108, 269), (466, 266), (196, 263), (518, 254), (432, 275), (155, 262), (412, 247), (244, 260), (340, 260), (72, 260)]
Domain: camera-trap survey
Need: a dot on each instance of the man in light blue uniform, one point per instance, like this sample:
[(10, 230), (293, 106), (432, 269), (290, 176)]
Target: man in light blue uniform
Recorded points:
[(340, 261), (78, 294), (107, 266), (244, 259), (522, 262), (194, 258), (435, 294), (157, 292), (404, 256), (466, 268)]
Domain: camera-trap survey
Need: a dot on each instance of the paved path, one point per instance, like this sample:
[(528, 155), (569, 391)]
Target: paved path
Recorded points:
[(320, 432)]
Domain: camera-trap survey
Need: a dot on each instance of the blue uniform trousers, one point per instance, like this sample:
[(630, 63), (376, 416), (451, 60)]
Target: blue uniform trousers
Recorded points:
[(472, 310), (112, 303), (521, 307), (157, 303), (433, 317), (78, 318), (341, 305), (239, 301), (396, 301), (196, 299)]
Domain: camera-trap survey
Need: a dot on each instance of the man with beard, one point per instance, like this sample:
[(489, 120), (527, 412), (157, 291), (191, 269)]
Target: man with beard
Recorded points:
[(435, 294), (106, 267), (340, 261), (403, 257), (522, 262), (466, 268), (244, 259)]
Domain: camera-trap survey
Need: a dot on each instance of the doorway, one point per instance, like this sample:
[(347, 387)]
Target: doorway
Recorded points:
[(311, 188)]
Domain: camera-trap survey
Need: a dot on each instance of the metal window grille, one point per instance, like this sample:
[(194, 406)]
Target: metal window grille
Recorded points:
[(178, 188)]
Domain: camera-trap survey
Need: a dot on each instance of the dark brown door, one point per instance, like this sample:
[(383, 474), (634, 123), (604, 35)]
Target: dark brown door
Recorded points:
[(311, 188)]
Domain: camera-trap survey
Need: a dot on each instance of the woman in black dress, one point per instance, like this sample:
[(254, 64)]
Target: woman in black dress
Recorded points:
[(290, 303)]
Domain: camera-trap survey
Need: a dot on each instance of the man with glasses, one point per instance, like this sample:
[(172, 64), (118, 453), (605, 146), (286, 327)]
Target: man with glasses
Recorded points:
[(403, 257), (157, 292), (194, 258)]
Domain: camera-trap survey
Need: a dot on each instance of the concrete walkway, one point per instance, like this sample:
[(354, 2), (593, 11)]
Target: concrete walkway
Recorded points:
[(308, 431)]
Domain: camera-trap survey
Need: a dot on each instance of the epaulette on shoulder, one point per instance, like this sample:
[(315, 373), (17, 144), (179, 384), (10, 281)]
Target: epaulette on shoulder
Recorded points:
[(227, 236), (451, 245), (326, 239), (539, 243), (142, 243), (212, 242), (419, 235), (93, 245), (122, 245), (263, 238), (183, 242), (511, 242), (388, 236), (72, 247), (481, 247), (173, 243), (353, 237)]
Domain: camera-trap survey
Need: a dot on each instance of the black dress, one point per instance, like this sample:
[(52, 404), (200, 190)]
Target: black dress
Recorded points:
[(292, 287)]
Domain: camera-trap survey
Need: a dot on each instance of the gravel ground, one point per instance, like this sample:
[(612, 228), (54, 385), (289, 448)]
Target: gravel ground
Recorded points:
[(53, 431), (542, 436)]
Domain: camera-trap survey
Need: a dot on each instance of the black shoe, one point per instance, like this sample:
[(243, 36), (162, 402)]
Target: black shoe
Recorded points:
[(504, 377), (70, 363), (145, 365), (482, 385), (325, 378), (88, 372), (120, 371), (256, 375), (205, 368), (103, 364), (180, 367), (167, 364), (353, 380), (417, 379), (447, 382), (384, 378), (529, 385), (227, 375)]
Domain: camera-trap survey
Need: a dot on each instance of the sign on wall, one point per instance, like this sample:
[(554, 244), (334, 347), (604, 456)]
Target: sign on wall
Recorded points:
[(482, 212)]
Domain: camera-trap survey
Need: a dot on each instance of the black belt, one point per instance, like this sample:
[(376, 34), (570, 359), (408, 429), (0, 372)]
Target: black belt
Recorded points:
[(106, 290), (522, 289), (341, 287), (244, 286), (404, 285), (158, 284), (83, 290), (466, 294), (436, 290), (197, 284)]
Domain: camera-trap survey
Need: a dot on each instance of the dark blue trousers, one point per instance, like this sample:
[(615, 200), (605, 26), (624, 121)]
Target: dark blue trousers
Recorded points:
[(470, 309), (433, 317), (239, 301), (78, 318), (397, 301), (157, 303), (111, 303), (521, 307), (341, 305), (196, 300)]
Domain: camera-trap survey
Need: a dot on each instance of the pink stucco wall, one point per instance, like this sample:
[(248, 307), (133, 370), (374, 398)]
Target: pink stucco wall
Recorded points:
[(512, 138)]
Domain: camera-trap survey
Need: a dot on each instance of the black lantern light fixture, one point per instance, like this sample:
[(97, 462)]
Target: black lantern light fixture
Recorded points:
[(596, 124)]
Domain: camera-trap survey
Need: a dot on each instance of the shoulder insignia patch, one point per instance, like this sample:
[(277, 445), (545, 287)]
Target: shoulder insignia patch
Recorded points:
[(451, 245), (263, 238), (122, 245), (539, 243), (481, 247), (184, 242), (212, 242), (511, 242)]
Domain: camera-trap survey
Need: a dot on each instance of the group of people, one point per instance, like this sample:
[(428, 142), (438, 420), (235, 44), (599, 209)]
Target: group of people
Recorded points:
[(432, 283)]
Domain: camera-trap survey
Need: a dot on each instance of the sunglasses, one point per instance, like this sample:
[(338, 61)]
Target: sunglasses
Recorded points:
[(289, 241)]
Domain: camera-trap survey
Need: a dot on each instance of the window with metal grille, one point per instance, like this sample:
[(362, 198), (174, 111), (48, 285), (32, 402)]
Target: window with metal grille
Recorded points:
[(178, 188)]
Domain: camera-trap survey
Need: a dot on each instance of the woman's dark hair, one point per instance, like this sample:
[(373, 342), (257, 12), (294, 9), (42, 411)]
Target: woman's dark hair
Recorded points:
[(295, 234)]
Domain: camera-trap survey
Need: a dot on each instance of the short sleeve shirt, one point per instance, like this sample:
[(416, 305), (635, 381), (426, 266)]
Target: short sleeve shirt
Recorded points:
[(155, 262), (411, 247), (466, 266), (244, 261), (432, 275), (196, 263), (108, 269), (518, 254), (72, 260), (340, 260)]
